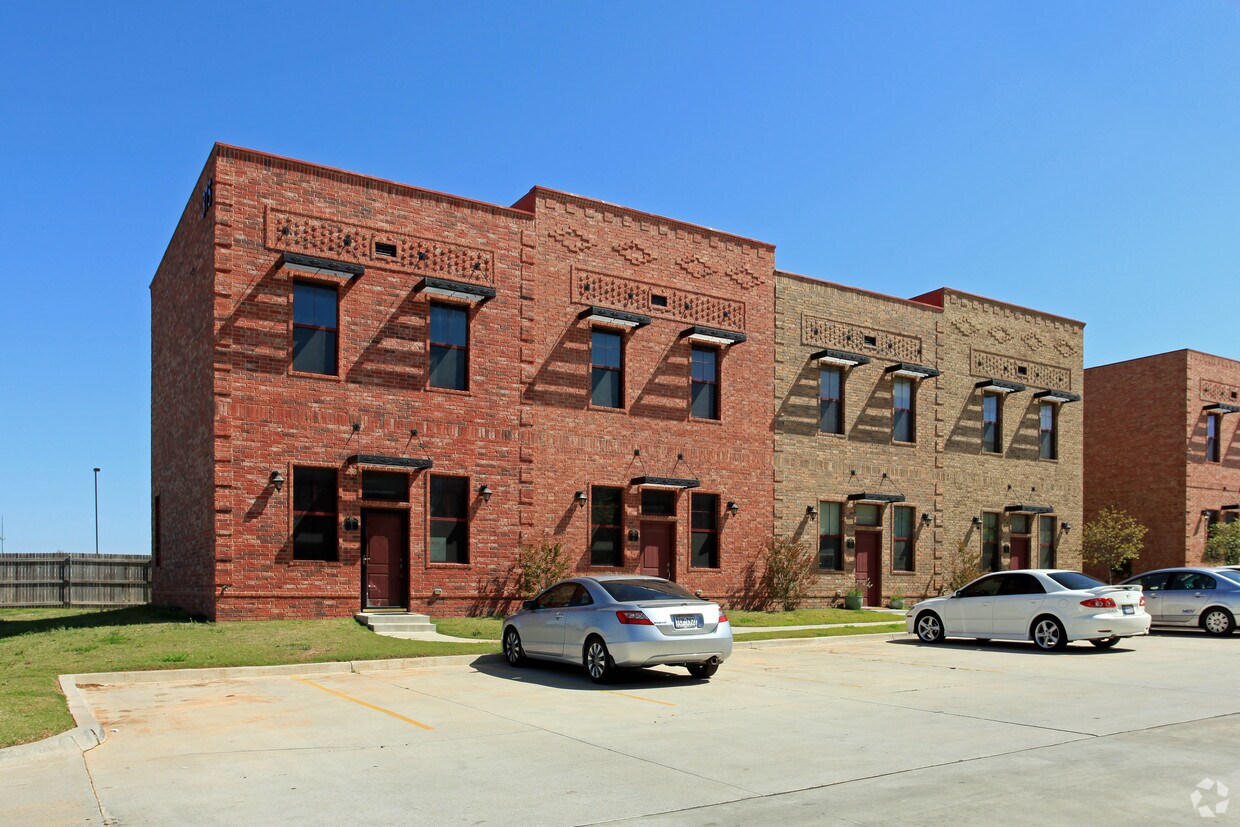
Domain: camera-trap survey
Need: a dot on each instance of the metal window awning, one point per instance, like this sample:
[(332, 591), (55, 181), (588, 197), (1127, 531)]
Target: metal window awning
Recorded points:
[(839, 357), (1062, 397), (322, 266), (1234, 507), (714, 336), (460, 290), (999, 386), (866, 497), (380, 461), (1221, 408), (911, 371), (665, 482), (615, 318), (1028, 509)]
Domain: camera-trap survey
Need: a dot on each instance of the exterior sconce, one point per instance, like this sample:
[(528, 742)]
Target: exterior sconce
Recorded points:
[(977, 520), (1205, 512), (811, 511), (352, 524), (733, 507), (633, 535), (1007, 548), (277, 481), (850, 543), (485, 493), (580, 497), (437, 592), (1065, 527), (697, 592), (926, 519)]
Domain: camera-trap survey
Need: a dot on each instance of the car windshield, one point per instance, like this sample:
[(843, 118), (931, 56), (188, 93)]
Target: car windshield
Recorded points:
[(633, 591), (1233, 576), (1075, 580)]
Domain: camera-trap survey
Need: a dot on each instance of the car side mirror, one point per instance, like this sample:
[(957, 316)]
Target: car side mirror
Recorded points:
[(528, 605), (957, 592)]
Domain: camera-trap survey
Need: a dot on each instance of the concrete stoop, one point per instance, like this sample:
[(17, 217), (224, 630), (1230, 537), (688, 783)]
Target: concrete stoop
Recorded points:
[(403, 625)]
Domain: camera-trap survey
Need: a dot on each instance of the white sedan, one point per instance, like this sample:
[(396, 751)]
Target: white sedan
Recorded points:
[(1049, 607)]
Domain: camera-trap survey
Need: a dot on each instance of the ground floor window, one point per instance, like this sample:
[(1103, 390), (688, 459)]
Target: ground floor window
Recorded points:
[(606, 510), (704, 529), (903, 550), (314, 514), (830, 539), (1046, 542), (449, 517), (990, 541)]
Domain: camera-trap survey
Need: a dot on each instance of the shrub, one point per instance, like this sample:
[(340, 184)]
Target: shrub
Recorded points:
[(1111, 539), (539, 566), (791, 568), (961, 568), (1223, 545)]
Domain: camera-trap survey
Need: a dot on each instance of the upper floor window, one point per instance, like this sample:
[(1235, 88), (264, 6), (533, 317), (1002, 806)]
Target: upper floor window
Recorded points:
[(992, 423), (1048, 431), (1046, 542), (606, 369), (314, 513), (705, 391), (1212, 450), (903, 549), (831, 400), (904, 412), (314, 328), (830, 541), (449, 366), (449, 517), (704, 510), (606, 512), (990, 541)]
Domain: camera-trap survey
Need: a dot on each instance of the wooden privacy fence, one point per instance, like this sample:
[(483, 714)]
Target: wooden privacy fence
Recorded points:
[(75, 579)]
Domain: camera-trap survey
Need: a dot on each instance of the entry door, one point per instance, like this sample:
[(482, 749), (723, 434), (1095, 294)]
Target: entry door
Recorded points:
[(1019, 558), (385, 545), (869, 565), (658, 539)]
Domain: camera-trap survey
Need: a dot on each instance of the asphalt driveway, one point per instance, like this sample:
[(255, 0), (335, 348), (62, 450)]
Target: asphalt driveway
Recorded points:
[(868, 730)]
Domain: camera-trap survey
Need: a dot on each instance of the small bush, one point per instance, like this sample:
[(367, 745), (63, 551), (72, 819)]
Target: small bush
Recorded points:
[(1223, 546), (791, 569), (539, 566), (961, 568)]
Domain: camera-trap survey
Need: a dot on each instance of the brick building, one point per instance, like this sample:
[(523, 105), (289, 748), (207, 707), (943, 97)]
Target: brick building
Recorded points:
[(1161, 443)]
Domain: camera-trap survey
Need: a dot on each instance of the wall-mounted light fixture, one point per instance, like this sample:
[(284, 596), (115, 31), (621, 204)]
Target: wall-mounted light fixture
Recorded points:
[(850, 543), (277, 481), (436, 592), (926, 519), (352, 524), (977, 520), (1065, 527), (485, 493), (1205, 512), (633, 535), (733, 507), (580, 497), (811, 511), (1007, 548)]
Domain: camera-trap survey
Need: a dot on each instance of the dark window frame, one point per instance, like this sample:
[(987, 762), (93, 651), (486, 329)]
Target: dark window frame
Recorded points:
[(716, 413), (432, 345), (333, 555), (910, 412), (296, 325), (824, 400), (1214, 423), (375, 474), (826, 538), (712, 533), (1048, 438), (992, 442), (1046, 541), (909, 539), (617, 527), (617, 369), (431, 520), (991, 549)]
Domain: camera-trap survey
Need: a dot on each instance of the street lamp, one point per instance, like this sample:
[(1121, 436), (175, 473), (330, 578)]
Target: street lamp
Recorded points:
[(96, 512)]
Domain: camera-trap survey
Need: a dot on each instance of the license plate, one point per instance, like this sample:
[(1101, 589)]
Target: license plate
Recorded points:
[(686, 621), (1128, 610)]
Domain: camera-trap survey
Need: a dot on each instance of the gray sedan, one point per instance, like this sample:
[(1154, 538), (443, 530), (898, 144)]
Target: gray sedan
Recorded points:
[(1205, 597), (611, 622)]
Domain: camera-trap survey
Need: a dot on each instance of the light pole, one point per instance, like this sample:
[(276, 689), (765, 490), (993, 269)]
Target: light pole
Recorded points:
[(96, 512)]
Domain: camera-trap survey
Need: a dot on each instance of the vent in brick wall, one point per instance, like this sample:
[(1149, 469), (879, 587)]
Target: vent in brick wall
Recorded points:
[(382, 248)]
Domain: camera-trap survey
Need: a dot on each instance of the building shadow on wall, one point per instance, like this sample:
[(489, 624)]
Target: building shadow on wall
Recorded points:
[(563, 379), (387, 360), (665, 394)]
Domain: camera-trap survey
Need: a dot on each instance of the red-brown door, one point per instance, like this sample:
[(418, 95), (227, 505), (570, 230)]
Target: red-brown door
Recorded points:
[(385, 543), (869, 565), (658, 540), (1019, 558)]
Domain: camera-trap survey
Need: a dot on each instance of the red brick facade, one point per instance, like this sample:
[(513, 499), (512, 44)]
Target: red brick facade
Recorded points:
[(1145, 449)]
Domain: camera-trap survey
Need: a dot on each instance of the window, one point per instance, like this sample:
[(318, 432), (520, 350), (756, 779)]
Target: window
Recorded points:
[(1211, 519), (704, 530), (606, 369), (449, 519), (1190, 581), (830, 553), (1021, 583), (705, 391), (986, 587), (992, 423), (869, 515), (449, 366), (1019, 523), (556, 597), (314, 328), (1048, 430), (903, 550), (1047, 532), (658, 502), (990, 541), (606, 518), (314, 513), (1155, 582), (831, 400), (1212, 452), (903, 421), (387, 486)]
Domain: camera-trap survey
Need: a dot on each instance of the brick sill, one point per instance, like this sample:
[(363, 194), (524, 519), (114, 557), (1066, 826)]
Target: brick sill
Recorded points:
[(449, 391), (324, 377)]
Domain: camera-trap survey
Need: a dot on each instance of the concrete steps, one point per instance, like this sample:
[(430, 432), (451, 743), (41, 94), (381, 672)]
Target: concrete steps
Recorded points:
[(403, 625)]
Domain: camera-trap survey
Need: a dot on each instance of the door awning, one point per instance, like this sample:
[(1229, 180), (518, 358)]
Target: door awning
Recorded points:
[(867, 497), (999, 386), (322, 266), (460, 290), (1235, 507), (1062, 397), (839, 357), (380, 461), (1028, 509), (615, 318), (1221, 408), (714, 336), (665, 482), (910, 371)]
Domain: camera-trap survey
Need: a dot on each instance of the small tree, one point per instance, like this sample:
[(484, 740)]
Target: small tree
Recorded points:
[(539, 566), (1111, 539), (1223, 544), (961, 568), (791, 569)]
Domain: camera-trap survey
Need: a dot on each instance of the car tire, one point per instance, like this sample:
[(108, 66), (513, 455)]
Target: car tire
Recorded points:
[(703, 671), (597, 661), (929, 628), (1048, 633), (512, 648), (1106, 642), (1218, 621)]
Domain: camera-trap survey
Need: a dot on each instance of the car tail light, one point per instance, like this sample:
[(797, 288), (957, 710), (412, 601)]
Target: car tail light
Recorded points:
[(1099, 603), (632, 618), (1142, 603), (723, 618)]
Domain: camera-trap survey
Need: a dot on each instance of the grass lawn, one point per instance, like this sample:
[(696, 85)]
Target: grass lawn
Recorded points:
[(36, 645), (838, 631)]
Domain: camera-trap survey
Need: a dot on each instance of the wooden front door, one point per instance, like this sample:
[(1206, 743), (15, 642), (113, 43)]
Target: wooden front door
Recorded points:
[(1019, 558), (869, 565), (385, 550), (658, 540)]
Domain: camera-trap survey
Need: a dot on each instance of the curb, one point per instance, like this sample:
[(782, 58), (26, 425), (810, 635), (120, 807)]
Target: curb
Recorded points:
[(789, 642)]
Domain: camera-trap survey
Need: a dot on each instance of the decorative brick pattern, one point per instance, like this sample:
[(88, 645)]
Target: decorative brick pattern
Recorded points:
[(986, 365), (695, 267), (822, 331), (571, 240), (634, 253), (594, 288), (1220, 392)]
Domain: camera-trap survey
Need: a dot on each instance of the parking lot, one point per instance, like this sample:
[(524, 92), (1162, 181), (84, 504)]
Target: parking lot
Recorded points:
[(867, 730)]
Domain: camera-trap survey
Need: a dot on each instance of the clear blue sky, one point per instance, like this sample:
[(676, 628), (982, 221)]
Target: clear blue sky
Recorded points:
[(1081, 158)]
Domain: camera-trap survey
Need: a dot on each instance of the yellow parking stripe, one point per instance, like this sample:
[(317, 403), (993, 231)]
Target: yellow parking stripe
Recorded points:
[(638, 698), (364, 703)]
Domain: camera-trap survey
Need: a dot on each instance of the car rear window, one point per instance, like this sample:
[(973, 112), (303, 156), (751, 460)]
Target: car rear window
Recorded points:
[(1233, 576), (1075, 580), (631, 591)]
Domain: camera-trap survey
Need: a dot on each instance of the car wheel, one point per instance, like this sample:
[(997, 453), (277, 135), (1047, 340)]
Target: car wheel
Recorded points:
[(1049, 634), (929, 628), (702, 671), (1218, 621), (1105, 643), (512, 648), (597, 661)]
